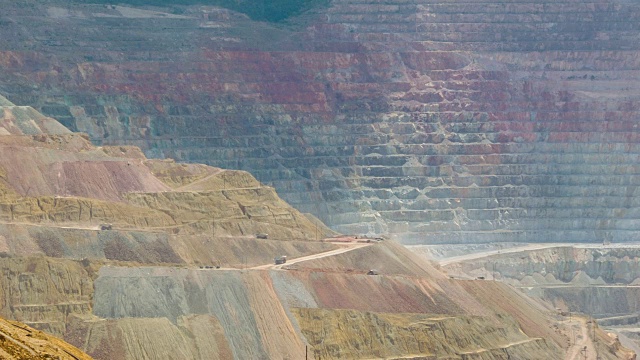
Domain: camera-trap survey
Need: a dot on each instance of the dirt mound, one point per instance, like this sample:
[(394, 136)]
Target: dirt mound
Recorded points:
[(194, 337), (273, 314), (383, 293), (242, 304), (241, 252), (5, 102), (20, 240)]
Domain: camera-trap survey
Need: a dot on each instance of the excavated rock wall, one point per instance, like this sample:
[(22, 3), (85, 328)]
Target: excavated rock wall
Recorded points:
[(612, 265), (143, 285), (598, 301), (431, 120), (599, 281), (73, 211), (340, 334), (43, 292)]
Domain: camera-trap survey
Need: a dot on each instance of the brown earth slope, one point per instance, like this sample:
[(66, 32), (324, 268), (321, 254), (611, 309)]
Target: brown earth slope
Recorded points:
[(131, 258), (20, 342), (64, 179)]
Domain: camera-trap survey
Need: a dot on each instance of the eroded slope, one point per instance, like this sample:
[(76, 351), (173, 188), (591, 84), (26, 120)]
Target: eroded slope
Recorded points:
[(176, 261)]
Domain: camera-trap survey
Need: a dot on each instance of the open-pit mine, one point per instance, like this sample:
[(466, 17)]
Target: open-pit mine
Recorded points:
[(344, 179)]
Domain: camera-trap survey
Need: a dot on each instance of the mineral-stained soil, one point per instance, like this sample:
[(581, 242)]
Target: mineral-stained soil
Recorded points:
[(252, 308), (130, 258), (488, 120), (50, 178)]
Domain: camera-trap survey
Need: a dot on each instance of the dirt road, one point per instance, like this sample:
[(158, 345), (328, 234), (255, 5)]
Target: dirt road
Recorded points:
[(529, 247), (505, 346), (344, 248), (479, 255), (582, 347)]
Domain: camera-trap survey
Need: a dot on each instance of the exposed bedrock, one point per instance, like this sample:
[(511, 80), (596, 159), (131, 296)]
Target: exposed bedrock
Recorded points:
[(598, 301), (612, 265), (21, 342), (487, 121), (340, 334), (43, 292), (599, 281)]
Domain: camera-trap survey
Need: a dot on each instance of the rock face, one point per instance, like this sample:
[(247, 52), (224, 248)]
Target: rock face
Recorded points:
[(430, 120), (600, 281), (589, 286), (67, 207), (131, 258), (392, 335), (175, 261), (20, 342), (43, 292)]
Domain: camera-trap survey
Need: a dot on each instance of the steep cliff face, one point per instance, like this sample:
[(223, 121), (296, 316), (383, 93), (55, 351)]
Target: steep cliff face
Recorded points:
[(483, 121), (612, 264)]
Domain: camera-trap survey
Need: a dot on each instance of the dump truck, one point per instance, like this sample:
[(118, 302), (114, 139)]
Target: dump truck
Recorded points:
[(280, 260)]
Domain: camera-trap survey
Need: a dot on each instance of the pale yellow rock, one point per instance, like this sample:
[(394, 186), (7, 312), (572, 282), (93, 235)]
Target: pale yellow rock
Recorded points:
[(349, 334)]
